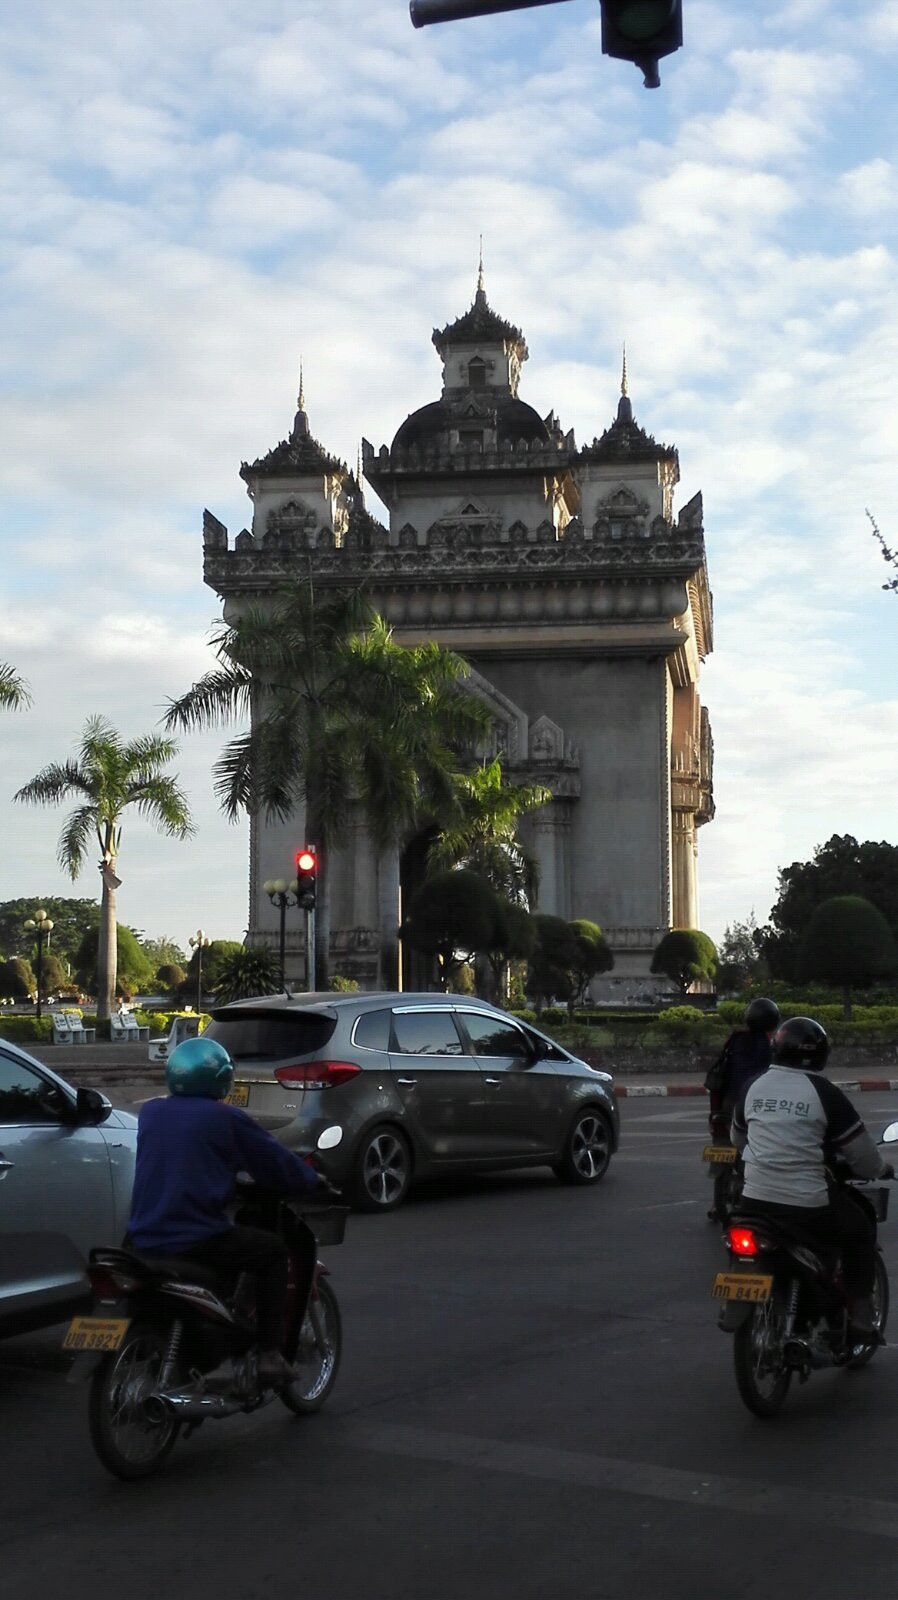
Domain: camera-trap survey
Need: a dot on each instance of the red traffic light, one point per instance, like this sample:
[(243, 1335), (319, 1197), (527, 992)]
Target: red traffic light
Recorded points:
[(305, 861)]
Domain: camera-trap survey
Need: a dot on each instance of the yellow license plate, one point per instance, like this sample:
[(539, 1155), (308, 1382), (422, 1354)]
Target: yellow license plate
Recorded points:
[(95, 1333), (239, 1095), (742, 1286), (720, 1154)]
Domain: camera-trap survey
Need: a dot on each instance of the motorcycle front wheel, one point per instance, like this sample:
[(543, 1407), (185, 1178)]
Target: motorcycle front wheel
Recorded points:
[(131, 1438), (315, 1350), (762, 1377)]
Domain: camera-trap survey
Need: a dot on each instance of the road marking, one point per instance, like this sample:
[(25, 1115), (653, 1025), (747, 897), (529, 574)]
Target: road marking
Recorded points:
[(714, 1492)]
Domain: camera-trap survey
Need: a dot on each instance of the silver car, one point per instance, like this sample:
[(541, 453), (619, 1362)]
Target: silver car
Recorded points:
[(66, 1172), (386, 1088)]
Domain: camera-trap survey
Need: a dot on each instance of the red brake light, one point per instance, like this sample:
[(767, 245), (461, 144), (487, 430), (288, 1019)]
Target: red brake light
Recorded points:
[(742, 1241), (316, 1074), (104, 1286)]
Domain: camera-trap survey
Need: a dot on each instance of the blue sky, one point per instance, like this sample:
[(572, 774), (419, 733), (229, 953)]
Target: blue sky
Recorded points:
[(193, 198)]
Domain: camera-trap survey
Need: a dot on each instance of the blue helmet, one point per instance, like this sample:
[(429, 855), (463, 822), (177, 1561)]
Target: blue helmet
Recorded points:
[(200, 1067)]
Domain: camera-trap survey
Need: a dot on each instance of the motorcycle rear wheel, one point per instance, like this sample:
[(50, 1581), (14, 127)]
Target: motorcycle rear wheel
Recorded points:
[(761, 1377), (318, 1369), (862, 1353), (129, 1442)]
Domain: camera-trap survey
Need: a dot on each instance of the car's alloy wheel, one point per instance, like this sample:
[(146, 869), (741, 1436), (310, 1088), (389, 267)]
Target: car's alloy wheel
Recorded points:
[(587, 1150), (383, 1167)]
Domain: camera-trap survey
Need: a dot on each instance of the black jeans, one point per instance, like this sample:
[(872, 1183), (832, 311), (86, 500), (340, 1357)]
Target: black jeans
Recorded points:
[(263, 1254), (842, 1225)]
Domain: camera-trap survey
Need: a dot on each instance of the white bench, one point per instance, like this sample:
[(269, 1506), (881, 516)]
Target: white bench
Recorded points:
[(68, 1028), (182, 1028), (125, 1026)]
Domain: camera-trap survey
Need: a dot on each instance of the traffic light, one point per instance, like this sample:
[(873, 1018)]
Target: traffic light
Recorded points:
[(642, 31), (306, 877)]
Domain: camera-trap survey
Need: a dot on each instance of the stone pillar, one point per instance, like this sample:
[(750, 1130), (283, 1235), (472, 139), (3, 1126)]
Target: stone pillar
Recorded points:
[(549, 831), (685, 870)]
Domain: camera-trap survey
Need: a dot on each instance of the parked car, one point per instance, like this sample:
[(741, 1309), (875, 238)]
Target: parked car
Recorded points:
[(387, 1088), (66, 1171)]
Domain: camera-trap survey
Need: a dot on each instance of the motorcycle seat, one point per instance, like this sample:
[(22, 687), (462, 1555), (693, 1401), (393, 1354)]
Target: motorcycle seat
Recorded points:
[(186, 1270)]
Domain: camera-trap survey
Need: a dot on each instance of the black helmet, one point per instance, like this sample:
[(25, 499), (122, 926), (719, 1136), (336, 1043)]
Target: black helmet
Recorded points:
[(762, 1016), (800, 1042)]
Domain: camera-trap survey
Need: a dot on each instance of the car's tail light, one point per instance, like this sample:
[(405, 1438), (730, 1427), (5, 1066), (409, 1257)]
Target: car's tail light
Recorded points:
[(316, 1074), (742, 1241)]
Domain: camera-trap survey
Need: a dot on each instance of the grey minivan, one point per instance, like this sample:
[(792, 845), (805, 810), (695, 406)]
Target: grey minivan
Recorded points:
[(386, 1088)]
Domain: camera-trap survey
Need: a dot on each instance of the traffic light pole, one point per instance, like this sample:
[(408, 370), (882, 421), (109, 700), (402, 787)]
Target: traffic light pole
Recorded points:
[(423, 12), (310, 949)]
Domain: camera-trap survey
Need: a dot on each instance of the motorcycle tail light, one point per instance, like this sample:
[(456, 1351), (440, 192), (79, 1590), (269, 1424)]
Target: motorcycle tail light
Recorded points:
[(107, 1286), (316, 1074), (742, 1242)]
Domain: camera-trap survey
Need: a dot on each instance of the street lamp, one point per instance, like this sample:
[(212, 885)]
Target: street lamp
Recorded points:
[(282, 894), (199, 943), (41, 926)]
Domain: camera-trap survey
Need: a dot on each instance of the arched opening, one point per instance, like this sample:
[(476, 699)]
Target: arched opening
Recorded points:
[(417, 968), (476, 373)]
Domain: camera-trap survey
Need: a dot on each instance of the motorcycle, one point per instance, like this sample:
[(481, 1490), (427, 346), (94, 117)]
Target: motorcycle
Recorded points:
[(725, 1169), (158, 1326), (785, 1303)]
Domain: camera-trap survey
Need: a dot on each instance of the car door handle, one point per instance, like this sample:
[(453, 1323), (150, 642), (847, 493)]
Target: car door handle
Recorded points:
[(407, 1083), (493, 1082)]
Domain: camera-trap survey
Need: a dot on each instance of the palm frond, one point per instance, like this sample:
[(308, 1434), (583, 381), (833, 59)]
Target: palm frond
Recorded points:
[(74, 839), (14, 691), (218, 697), (56, 782)]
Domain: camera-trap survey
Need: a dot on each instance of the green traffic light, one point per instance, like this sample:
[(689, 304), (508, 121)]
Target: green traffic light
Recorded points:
[(643, 19)]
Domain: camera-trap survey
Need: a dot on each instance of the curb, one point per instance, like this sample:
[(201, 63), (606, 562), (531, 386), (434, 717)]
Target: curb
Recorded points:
[(627, 1091)]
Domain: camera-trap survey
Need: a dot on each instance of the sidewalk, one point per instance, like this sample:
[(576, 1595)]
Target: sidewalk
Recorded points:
[(115, 1065)]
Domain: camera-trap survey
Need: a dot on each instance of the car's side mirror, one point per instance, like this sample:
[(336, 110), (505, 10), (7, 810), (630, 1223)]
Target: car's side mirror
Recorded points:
[(91, 1107), (889, 1135)]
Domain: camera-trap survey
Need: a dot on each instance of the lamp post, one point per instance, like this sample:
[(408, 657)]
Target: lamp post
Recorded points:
[(282, 894), (199, 943), (41, 926)]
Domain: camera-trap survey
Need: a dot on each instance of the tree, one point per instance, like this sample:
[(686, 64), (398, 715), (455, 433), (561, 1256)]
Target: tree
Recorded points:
[(739, 957), (847, 943), (341, 716), (169, 978), (247, 971), (891, 556), (686, 956), (71, 920), (215, 958), (164, 953), (482, 835), (842, 866), (552, 961), (14, 691), (592, 955), (17, 979), (109, 776), (454, 916), (133, 971)]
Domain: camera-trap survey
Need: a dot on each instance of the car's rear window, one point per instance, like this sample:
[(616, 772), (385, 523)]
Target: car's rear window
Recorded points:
[(271, 1035), (372, 1031)]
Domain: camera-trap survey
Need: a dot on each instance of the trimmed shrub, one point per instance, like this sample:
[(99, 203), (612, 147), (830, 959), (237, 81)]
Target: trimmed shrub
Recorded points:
[(26, 1030)]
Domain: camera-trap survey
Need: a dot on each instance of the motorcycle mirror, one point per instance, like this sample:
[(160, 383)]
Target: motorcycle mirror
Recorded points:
[(889, 1135), (331, 1137)]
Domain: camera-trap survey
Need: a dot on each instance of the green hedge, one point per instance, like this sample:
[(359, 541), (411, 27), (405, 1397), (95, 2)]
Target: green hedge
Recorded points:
[(20, 1029)]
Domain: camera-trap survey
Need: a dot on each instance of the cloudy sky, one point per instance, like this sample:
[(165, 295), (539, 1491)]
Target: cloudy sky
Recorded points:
[(194, 197)]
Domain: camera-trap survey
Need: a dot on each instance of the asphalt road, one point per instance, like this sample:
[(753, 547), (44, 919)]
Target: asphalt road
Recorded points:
[(535, 1402)]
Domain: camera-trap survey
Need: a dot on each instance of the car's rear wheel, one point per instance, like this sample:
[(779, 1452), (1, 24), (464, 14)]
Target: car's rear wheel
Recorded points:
[(586, 1155), (381, 1171)]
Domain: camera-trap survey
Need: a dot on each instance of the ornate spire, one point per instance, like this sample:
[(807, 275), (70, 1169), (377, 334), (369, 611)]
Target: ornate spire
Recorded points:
[(301, 421), (480, 284), (624, 407)]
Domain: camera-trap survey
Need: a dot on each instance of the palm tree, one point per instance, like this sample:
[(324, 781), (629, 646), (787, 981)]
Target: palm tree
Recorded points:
[(110, 775), (14, 691), (340, 715), (483, 834)]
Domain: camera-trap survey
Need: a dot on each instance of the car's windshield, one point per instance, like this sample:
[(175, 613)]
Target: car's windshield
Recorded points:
[(270, 1035)]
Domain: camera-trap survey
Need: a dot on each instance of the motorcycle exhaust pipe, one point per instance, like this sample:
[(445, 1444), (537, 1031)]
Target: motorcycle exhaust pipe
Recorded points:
[(193, 1406)]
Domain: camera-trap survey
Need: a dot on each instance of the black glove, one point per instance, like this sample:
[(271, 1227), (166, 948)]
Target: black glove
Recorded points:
[(888, 1171)]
